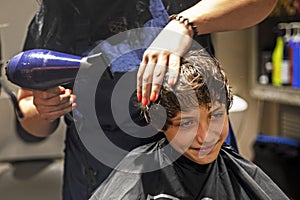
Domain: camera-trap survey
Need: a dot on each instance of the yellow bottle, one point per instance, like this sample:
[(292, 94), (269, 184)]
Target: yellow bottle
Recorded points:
[(277, 57)]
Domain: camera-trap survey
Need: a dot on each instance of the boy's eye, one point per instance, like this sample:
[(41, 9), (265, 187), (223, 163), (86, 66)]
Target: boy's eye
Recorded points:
[(217, 115), (187, 123)]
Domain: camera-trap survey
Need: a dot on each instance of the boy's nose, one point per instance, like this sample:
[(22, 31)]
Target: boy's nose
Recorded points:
[(209, 131), (202, 131)]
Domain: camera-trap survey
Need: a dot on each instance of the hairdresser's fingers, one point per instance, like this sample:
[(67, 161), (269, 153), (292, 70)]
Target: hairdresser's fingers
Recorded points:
[(145, 75), (42, 98), (49, 93), (147, 82), (51, 116), (158, 75), (139, 83), (58, 106), (173, 68), (45, 108)]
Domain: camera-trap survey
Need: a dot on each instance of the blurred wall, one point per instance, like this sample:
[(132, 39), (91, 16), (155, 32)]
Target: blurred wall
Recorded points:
[(17, 14)]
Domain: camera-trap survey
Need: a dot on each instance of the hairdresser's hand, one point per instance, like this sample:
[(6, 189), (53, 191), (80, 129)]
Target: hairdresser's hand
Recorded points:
[(54, 102), (162, 56)]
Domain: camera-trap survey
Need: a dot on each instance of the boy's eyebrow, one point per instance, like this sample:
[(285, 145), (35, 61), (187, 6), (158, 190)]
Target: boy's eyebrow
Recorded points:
[(216, 109), (180, 117)]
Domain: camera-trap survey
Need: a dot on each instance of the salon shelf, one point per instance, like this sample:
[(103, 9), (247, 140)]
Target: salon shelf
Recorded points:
[(284, 94)]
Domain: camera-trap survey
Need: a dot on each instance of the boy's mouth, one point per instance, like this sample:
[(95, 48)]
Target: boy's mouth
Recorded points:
[(204, 149)]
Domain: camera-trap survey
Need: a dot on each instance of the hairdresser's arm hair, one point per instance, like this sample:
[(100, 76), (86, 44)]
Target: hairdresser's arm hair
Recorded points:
[(224, 15)]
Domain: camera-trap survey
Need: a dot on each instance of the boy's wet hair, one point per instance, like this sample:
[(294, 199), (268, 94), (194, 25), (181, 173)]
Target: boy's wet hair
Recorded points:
[(201, 81)]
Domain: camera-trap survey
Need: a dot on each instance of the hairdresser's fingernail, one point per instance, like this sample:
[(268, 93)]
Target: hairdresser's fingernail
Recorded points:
[(139, 97), (71, 91), (145, 101), (153, 96), (62, 91), (74, 105), (172, 81)]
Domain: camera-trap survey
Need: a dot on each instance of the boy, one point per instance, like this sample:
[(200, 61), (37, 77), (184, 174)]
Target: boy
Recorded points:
[(192, 161)]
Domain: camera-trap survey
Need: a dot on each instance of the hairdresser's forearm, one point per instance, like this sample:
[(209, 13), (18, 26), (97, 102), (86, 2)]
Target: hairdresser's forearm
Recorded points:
[(224, 15)]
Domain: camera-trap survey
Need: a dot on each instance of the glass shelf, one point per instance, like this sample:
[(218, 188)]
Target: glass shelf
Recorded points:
[(284, 94)]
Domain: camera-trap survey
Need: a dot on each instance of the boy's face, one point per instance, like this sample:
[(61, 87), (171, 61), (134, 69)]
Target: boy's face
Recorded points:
[(199, 133)]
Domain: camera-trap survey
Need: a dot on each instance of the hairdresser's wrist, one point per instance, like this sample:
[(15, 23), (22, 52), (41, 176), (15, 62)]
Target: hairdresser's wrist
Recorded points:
[(186, 22), (32, 121)]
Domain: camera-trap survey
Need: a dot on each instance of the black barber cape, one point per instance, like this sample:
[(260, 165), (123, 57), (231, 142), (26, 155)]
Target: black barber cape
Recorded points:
[(229, 177)]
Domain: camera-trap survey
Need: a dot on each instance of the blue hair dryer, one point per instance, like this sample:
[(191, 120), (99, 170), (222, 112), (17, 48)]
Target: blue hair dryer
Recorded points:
[(40, 69)]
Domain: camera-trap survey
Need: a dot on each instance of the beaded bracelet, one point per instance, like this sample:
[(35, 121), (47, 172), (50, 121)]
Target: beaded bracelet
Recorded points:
[(184, 21)]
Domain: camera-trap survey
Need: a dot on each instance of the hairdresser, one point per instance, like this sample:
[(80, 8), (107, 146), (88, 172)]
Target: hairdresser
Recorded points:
[(74, 26)]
